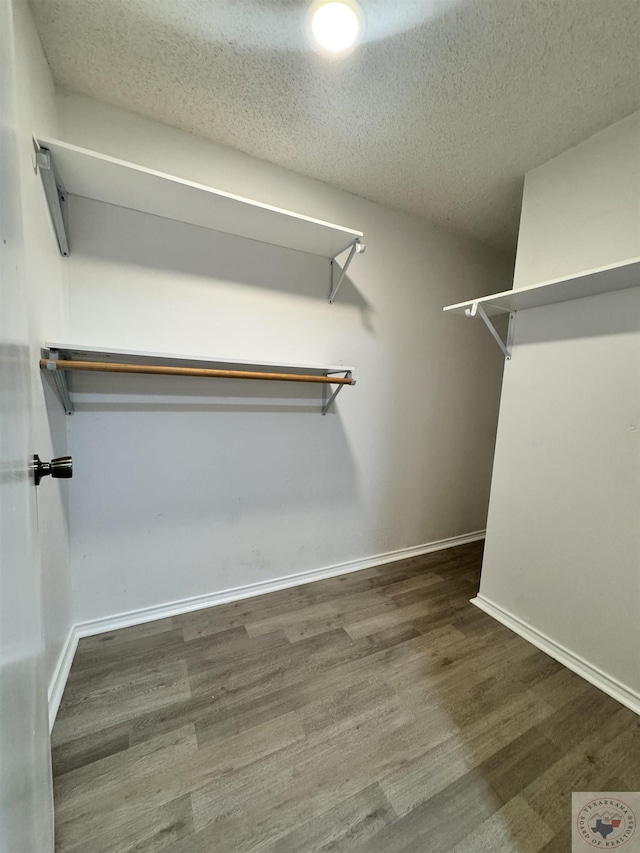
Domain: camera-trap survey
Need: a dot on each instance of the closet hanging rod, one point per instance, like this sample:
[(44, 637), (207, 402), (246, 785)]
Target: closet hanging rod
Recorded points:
[(114, 367)]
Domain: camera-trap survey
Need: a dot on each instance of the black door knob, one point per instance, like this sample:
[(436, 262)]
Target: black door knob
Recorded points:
[(61, 468)]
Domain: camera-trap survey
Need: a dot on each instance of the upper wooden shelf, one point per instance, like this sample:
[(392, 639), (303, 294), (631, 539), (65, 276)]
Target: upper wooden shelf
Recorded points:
[(89, 174), (589, 283)]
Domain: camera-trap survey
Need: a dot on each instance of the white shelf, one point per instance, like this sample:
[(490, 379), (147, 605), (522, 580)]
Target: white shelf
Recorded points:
[(53, 352), (79, 352), (589, 283), (89, 174)]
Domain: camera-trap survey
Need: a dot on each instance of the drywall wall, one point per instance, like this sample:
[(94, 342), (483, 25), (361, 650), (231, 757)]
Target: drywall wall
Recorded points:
[(581, 209), (562, 555), (46, 295), (187, 487)]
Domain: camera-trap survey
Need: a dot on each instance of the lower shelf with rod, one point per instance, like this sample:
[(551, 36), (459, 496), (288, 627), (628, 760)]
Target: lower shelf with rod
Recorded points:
[(58, 359)]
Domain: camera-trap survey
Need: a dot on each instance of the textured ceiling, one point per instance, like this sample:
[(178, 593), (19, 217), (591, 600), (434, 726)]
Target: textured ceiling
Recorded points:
[(440, 111)]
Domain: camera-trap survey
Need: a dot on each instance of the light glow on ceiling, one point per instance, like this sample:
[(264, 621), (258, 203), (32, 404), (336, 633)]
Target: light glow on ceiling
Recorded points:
[(335, 26)]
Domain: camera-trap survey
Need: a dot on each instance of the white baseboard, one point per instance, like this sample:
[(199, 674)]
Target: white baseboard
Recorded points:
[(614, 688), (200, 602), (185, 605), (61, 673)]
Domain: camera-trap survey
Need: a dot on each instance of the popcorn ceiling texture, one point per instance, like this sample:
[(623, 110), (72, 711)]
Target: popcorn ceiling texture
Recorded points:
[(439, 113)]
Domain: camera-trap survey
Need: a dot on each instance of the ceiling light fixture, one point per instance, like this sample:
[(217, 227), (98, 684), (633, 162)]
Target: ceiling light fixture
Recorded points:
[(335, 26)]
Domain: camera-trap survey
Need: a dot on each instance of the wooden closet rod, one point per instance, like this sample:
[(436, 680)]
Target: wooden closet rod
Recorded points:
[(114, 367)]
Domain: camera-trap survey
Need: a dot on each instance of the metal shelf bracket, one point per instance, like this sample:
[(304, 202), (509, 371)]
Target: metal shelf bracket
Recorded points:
[(60, 380), (328, 400), (357, 248), (56, 198), (477, 310)]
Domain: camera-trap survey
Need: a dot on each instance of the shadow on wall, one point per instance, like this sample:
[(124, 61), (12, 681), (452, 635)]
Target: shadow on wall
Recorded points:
[(115, 235), (133, 468), (595, 317)]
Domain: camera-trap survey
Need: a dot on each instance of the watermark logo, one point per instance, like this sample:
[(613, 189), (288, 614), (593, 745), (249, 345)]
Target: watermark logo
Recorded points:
[(605, 821)]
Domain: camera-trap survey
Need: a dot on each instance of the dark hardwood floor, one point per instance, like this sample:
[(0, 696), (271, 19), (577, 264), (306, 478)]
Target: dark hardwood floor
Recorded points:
[(377, 712)]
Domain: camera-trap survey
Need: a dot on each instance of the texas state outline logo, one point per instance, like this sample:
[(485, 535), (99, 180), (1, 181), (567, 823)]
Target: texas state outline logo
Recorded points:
[(604, 821)]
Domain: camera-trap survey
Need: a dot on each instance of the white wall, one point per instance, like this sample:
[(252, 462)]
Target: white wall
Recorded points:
[(563, 536), (581, 210), (186, 487), (46, 294)]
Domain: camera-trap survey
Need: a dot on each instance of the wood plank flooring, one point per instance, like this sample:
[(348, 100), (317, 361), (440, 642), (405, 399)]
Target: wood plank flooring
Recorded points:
[(377, 712)]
